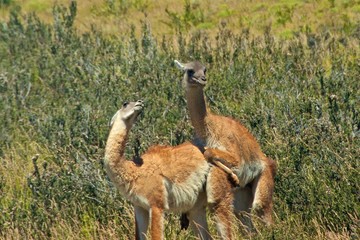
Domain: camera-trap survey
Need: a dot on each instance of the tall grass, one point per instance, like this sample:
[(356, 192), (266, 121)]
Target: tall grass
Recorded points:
[(285, 18), (58, 90)]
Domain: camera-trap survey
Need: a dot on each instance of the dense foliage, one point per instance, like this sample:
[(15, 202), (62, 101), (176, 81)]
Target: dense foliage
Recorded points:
[(58, 90)]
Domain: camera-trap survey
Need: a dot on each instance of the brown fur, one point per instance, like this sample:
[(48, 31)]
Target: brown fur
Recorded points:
[(164, 181), (230, 142)]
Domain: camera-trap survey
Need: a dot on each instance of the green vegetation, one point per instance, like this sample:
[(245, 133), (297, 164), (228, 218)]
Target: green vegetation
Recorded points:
[(59, 89), (166, 17), (5, 2)]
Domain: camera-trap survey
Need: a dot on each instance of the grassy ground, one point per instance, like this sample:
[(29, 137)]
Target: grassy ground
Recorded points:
[(168, 16), (61, 82)]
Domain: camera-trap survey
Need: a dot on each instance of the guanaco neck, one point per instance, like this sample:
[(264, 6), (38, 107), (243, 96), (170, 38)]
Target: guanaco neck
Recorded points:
[(115, 145), (197, 110)]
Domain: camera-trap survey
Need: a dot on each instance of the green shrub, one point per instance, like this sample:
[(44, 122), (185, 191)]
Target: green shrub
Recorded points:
[(5, 3), (299, 97), (193, 15)]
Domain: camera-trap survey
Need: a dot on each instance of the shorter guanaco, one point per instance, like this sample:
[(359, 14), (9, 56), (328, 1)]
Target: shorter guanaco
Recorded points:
[(165, 178)]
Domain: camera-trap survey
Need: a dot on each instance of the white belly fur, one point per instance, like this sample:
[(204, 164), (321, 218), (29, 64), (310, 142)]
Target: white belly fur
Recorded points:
[(181, 197)]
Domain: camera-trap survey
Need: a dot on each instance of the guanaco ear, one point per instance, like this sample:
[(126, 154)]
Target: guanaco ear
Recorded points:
[(113, 119), (179, 65)]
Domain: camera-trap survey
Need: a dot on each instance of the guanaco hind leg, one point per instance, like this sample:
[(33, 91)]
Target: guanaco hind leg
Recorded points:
[(220, 199), (198, 223), (242, 205), (157, 223), (262, 190), (141, 223)]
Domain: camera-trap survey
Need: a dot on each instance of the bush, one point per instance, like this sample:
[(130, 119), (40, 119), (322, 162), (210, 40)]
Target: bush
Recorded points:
[(5, 3), (298, 97)]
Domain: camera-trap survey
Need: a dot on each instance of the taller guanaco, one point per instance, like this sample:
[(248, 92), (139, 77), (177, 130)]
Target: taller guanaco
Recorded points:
[(228, 141)]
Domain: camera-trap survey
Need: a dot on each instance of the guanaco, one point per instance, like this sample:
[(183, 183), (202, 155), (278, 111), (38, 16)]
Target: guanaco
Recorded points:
[(165, 178), (226, 140)]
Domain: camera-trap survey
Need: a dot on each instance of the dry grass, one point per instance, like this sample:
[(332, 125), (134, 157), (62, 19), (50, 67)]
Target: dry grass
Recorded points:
[(284, 17), (58, 89)]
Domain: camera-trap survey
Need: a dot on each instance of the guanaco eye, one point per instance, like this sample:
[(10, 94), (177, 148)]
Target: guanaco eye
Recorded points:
[(205, 71), (190, 72), (125, 104)]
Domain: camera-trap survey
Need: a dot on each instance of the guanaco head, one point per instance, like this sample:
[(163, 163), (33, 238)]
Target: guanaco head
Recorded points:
[(128, 113), (194, 73)]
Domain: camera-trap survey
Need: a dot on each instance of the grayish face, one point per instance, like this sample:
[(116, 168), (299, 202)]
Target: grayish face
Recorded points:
[(195, 73), (128, 112)]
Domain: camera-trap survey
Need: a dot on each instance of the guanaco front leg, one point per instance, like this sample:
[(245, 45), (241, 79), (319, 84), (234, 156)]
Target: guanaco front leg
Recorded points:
[(262, 186), (220, 155), (218, 158)]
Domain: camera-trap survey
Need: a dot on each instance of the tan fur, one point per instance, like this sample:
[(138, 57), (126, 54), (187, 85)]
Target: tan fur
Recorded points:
[(217, 157), (164, 178), (231, 143)]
